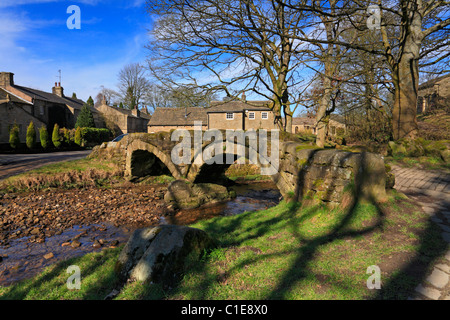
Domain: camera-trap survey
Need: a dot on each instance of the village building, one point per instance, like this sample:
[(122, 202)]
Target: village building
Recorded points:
[(237, 115), (121, 121), (167, 119), (20, 105), (434, 94), (241, 115)]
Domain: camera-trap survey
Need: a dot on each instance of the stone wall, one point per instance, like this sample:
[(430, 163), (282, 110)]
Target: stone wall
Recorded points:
[(326, 176)]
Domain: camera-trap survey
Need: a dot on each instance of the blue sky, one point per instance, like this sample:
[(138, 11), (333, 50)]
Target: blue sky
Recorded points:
[(35, 42)]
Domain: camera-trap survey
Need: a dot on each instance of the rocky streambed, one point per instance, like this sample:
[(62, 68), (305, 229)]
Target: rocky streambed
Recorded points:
[(38, 229)]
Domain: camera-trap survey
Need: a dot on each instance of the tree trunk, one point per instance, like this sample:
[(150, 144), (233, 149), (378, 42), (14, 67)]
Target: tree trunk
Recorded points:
[(322, 118), (406, 82)]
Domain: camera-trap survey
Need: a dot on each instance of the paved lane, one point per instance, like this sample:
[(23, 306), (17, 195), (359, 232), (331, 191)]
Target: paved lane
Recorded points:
[(13, 164)]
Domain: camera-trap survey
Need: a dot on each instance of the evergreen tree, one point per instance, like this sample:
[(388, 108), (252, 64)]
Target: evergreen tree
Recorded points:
[(56, 138), (43, 135), (31, 136), (14, 139), (90, 102), (121, 105), (85, 119)]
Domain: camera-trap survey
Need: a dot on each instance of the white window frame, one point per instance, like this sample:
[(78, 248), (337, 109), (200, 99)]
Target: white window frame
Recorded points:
[(250, 114), (266, 115), (229, 113)]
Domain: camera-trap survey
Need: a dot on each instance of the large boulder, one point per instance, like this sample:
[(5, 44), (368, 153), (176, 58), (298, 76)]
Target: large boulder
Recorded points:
[(187, 195), (161, 254)]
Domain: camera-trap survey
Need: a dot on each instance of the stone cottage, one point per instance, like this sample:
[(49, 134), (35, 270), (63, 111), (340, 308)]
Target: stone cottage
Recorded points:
[(434, 94), (235, 114), (121, 121), (166, 119), (20, 105), (240, 115)]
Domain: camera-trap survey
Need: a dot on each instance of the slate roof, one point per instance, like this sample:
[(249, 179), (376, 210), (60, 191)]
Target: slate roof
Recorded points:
[(303, 121), (238, 106), (12, 97), (50, 97), (432, 82), (177, 116)]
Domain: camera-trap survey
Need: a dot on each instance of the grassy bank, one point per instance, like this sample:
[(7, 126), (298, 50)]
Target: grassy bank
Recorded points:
[(68, 174), (285, 252)]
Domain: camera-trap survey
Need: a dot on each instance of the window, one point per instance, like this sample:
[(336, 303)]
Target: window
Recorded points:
[(230, 115), (251, 115), (264, 115)]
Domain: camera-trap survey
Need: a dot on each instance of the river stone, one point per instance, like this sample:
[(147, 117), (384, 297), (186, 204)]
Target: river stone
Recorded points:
[(160, 254), (188, 195)]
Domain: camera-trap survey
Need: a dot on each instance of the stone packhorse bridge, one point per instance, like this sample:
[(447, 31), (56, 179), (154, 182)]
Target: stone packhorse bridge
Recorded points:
[(302, 173)]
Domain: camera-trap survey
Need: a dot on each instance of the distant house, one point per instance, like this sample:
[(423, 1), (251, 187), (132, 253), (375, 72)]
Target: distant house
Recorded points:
[(240, 115), (166, 119), (20, 105), (121, 120), (304, 124), (235, 115), (434, 94)]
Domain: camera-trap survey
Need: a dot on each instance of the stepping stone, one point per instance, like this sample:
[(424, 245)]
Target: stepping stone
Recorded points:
[(436, 220), (438, 278), (446, 236), (444, 227), (428, 292), (443, 267)]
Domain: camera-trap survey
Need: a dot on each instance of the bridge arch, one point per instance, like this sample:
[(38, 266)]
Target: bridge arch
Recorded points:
[(143, 157), (201, 171)]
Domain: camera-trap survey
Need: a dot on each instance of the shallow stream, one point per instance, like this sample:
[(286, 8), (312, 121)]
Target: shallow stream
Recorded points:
[(22, 259)]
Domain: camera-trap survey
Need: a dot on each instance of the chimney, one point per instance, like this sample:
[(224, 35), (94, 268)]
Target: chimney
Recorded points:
[(244, 98), (58, 90), (6, 79), (136, 112)]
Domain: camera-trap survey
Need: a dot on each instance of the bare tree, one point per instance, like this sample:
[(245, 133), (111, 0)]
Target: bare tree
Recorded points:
[(133, 84), (233, 47), (414, 34)]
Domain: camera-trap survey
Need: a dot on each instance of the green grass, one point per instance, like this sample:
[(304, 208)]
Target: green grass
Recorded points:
[(423, 162), (284, 252), (68, 174)]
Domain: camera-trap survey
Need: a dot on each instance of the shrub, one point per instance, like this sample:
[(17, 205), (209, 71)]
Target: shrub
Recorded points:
[(66, 136), (94, 135), (77, 138), (56, 138), (14, 139), (43, 135), (31, 136)]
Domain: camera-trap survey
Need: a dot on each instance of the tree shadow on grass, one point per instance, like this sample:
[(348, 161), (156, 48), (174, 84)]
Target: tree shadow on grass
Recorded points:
[(307, 249), (51, 282)]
